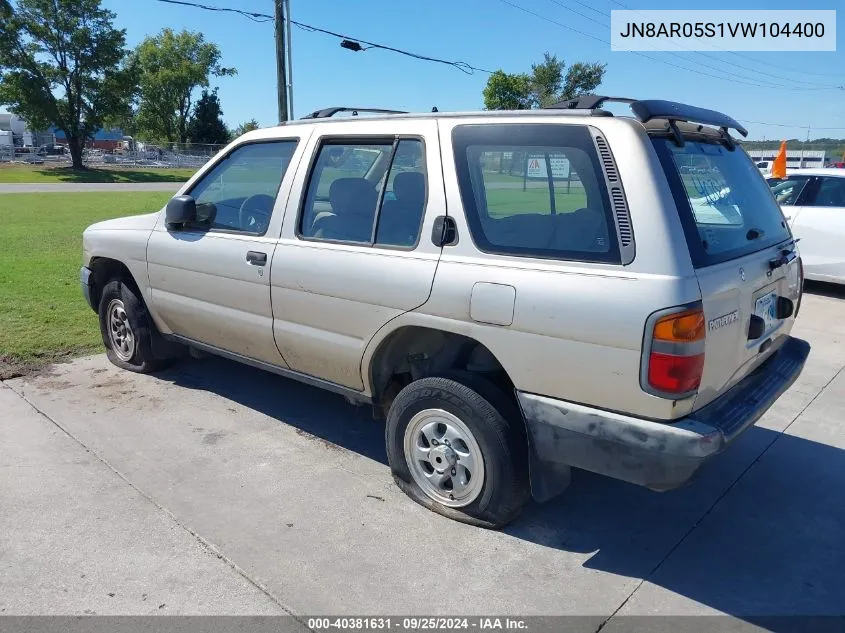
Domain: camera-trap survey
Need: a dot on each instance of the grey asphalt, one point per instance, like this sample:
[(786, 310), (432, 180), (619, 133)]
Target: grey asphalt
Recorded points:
[(216, 488), (80, 187)]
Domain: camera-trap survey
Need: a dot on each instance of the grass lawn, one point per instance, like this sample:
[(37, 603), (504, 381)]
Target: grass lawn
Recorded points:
[(494, 176), (506, 202), (41, 173), (43, 316)]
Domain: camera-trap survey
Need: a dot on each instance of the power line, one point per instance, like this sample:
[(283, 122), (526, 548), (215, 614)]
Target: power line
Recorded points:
[(264, 17), (760, 80), (790, 125), (252, 15), (742, 80), (462, 66)]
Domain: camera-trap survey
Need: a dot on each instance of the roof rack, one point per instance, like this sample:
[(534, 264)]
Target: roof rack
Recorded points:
[(330, 112), (648, 109)]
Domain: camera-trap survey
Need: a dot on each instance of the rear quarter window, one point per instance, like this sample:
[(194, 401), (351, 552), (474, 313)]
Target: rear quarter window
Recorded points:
[(535, 191), (725, 205)]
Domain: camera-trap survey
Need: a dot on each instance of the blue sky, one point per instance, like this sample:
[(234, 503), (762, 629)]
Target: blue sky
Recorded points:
[(491, 34)]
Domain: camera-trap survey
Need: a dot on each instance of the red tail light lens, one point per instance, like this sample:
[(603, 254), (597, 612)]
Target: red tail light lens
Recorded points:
[(675, 374), (676, 355)]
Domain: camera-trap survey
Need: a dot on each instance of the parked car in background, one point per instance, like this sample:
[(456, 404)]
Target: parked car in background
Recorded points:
[(508, 327), (813, 201)]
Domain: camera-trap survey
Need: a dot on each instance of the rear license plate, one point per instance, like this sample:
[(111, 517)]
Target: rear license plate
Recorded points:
[(766, 309)]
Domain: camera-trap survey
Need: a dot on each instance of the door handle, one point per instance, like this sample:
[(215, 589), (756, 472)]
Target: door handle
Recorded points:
[(256, 259)]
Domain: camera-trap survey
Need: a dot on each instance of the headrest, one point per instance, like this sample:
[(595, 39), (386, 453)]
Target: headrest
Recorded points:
[(352, 196), (409, 186)]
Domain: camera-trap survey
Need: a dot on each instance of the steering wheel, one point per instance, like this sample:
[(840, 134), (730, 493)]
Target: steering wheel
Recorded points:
[(254, 214)]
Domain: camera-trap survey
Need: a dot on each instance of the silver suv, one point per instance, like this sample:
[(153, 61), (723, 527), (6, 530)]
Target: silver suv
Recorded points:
[(516, 293)]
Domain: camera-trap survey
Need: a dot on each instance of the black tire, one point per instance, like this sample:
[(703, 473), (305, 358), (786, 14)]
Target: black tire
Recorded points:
[(140, 357), (497, 428)]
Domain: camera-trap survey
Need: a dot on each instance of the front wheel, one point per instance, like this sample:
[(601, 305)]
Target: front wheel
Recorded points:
[(126, 328), (457, 446)]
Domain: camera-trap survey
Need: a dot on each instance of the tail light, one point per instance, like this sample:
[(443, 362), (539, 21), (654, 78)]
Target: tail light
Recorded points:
[(675, 359), (800, 285)]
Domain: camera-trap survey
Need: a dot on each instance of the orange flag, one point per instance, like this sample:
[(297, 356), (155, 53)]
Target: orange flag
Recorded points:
[(779, 166)]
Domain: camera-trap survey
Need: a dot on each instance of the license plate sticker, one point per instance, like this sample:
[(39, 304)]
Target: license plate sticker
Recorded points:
[(766, 309)]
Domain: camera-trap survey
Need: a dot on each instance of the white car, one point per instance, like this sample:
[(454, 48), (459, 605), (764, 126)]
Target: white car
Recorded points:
[(813, 201)]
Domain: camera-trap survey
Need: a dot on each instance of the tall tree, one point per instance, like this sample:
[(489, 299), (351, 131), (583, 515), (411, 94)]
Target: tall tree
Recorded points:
[(546, 84), (245, 127), (172, 66), (62, 63), (206, 124)]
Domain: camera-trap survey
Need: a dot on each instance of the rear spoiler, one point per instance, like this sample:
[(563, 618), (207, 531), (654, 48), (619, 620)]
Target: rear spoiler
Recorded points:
[(648, 109)]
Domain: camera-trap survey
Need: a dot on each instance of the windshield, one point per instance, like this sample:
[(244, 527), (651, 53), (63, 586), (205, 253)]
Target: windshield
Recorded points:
[(726, 206)]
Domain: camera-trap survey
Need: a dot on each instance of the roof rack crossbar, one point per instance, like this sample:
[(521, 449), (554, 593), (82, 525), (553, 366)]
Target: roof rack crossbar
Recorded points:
[(587, 102), (648, 109), (330, 112)]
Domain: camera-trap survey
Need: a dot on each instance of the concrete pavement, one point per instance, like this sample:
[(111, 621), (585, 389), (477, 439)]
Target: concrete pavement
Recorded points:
[(80, 187), (289, 485)]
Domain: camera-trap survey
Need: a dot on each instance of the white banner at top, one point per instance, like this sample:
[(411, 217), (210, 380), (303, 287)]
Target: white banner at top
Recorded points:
[(723, 30)]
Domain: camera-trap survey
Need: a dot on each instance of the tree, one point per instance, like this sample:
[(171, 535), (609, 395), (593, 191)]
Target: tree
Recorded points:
[(544, 86), (243, 128), (62, 63), (206, 124), (507, 92), (172, 66)]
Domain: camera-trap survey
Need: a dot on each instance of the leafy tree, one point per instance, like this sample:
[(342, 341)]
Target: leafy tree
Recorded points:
[(172, 66), (206, 124), (62, 63), (546, 84), (505, 91), (245, 127)]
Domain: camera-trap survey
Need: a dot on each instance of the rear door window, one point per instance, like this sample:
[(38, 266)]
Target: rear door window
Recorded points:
[(830, 193), (535, 191), (726, 207), (367, 192)]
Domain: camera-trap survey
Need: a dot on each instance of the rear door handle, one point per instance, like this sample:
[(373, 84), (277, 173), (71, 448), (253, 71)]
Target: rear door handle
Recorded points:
[(256, 258)]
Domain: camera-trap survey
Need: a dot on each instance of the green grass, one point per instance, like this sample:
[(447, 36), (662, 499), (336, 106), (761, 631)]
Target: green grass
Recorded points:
[(493, 176), (43, 316), (42, 174), (506, 202)]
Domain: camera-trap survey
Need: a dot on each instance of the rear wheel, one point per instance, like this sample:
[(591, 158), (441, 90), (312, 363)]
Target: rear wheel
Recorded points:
[(457, 446), (126, 328)]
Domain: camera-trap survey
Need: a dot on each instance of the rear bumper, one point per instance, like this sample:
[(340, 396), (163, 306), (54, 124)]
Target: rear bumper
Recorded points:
[(658, 455)]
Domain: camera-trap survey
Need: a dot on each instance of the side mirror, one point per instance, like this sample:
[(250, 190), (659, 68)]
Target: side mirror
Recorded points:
[(180, 211)]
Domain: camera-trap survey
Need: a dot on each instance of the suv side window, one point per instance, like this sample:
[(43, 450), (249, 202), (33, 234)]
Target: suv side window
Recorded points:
[(238, 194), (830, 193), (367, 192), (535, 190)]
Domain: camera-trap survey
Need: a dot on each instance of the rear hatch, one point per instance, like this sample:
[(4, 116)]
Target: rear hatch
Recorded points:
[(745, 258)]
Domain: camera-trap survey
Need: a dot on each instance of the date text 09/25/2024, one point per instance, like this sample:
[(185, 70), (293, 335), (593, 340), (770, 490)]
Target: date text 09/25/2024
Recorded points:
[(416, 624)]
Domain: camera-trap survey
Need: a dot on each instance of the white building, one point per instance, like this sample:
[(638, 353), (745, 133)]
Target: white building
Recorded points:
[(17, 126), (795, 158)]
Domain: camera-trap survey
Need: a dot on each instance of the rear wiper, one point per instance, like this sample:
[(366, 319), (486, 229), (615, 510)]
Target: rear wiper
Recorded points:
[(753, 234)]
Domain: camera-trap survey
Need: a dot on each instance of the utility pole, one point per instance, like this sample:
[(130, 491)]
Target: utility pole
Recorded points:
[(289, 75), (281, 59)]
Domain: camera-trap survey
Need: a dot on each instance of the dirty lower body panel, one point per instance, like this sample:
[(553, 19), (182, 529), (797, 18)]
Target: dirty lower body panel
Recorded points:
[(658, 455)]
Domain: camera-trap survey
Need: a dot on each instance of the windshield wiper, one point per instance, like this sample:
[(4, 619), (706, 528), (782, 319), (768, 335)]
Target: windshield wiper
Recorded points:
[(753, 234)]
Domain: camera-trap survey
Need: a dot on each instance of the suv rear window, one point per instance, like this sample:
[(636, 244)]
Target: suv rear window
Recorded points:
[(725, 204), (535, 190)]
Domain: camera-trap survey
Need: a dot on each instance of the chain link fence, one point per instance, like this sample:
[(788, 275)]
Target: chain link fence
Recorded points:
[(119, 154)]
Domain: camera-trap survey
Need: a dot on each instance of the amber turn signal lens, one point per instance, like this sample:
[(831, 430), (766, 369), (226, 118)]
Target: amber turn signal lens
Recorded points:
[(682, 327)]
